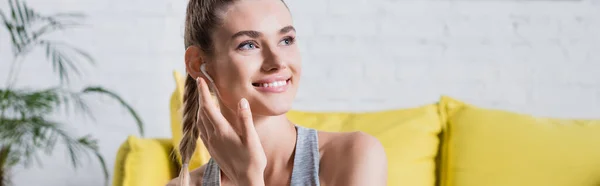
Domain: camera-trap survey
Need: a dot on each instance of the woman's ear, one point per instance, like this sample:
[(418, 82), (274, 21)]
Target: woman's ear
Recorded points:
[(194, 58)]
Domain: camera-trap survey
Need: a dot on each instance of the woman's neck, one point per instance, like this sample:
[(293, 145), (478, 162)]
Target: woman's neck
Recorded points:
[(278, 139)]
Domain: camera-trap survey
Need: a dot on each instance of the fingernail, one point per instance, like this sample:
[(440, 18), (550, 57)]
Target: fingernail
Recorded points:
[(198, 80), (244, 103)]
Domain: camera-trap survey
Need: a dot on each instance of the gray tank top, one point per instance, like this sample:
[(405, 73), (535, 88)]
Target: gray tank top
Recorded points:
[(306, 162)]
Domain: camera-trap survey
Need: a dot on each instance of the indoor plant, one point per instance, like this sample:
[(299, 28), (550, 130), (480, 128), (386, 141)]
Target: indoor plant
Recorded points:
[(26, 125)]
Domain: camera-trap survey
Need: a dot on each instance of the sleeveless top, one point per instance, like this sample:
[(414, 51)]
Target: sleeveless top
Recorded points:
[(306, 162)]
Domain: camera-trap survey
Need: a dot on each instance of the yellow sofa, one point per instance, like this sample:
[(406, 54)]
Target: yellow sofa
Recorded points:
[(448, 143)]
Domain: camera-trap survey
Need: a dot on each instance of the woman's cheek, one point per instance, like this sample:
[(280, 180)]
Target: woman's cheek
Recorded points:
[(294, 58)]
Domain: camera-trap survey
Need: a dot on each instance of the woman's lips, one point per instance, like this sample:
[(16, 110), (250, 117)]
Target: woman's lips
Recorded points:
[(274, 86)]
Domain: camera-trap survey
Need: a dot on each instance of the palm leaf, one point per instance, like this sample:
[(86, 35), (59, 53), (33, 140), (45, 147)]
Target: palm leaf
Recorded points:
[(10, 27), (17, 27), (22, 19), (129, 108), (92, 145), (27, 27), (62, 62), (26, 103), (28, 135), (66, 54)]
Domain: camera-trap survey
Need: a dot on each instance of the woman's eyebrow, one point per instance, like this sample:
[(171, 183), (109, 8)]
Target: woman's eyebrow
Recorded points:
[(249, 33), (256, 34), (287, 29)]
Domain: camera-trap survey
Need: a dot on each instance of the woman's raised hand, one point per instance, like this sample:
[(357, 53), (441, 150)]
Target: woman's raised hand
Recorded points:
[(237, 151)]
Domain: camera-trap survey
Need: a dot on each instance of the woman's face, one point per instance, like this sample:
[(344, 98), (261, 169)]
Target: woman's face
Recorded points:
[(256, 57)]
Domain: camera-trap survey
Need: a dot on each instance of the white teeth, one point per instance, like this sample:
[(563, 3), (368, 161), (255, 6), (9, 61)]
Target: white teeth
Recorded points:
[(273, 84)]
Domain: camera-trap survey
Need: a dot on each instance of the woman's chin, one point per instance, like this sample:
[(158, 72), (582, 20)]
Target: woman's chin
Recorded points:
[(271, 109)]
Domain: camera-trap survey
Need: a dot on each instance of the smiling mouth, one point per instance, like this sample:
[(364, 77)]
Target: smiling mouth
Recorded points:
[(273, 84)]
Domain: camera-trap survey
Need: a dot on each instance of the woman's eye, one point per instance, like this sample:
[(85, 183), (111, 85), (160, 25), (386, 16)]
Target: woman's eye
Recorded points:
[(247, 46), (287, 41)]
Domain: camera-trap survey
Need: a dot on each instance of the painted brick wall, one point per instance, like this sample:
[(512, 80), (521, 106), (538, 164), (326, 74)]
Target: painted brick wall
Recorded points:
[(536, 57)]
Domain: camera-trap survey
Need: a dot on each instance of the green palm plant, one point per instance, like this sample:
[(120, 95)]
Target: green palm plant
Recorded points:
[(26, 127)]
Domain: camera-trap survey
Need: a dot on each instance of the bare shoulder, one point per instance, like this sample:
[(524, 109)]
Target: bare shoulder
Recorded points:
[(352, 158), (350, 146), (355, 140), (195, 178)]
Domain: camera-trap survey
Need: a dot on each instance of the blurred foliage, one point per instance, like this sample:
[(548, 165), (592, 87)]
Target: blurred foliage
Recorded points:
[(26, 127)]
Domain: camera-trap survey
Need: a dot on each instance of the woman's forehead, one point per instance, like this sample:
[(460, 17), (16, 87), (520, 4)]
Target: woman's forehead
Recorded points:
[(264, 16)]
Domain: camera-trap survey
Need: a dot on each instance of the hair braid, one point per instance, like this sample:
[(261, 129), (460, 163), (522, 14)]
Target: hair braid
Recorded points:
[(187, 146)]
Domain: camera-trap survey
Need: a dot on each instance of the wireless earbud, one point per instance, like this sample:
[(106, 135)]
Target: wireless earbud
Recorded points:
[(203, 70), (212, 82)]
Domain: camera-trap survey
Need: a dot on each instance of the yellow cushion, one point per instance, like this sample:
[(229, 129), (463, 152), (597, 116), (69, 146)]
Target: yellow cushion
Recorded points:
[(499, 148), (409, 136), (201, 155), (144, 162)]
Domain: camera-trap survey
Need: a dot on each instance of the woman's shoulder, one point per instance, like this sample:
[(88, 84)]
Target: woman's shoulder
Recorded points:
[(347, 154), (349, 143), (195, 177)]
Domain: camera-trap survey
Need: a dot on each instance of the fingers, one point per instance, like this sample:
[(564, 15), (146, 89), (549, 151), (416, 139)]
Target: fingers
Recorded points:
[(245, 117), (201, 124), (208, 106), (204, 124)]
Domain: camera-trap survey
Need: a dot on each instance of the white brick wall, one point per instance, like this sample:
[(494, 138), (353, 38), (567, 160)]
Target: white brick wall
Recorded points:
[(537, 57)]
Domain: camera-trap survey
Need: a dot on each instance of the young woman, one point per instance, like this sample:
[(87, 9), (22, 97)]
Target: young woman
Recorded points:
[(245, 53)]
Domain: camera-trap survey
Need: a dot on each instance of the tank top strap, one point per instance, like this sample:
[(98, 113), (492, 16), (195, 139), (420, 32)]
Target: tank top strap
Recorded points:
[(306, 158), (212, 174)]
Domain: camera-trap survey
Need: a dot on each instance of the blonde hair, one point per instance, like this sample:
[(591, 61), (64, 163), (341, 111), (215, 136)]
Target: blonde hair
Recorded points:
[(187, 146), (201, 18)]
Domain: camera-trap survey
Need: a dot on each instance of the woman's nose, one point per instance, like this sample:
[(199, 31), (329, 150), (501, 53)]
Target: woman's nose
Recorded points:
[(273, 60)]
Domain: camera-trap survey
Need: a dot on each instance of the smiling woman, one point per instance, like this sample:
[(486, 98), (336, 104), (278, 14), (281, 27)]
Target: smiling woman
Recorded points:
[(247, 51)]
